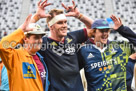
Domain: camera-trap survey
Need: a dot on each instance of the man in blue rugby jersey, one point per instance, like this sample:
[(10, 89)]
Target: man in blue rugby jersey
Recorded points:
[(105, 61)]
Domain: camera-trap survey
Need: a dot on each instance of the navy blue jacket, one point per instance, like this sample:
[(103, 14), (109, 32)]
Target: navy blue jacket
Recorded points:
[(45, 66)]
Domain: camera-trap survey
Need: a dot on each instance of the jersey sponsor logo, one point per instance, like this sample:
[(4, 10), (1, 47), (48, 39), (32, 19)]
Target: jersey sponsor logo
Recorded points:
[(58, 51), (70, 50), (42, 74), (103, 64), (90, 56), (29, 71), (62, 48)]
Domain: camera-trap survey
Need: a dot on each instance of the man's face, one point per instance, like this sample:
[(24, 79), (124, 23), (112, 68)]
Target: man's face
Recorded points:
[(60, 28), (34, 42), (101, 36)]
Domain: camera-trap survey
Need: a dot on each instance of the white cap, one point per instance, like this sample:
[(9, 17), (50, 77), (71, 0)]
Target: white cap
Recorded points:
[(36, 29)]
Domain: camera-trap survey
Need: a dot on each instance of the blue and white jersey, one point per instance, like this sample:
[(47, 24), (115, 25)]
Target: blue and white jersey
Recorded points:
[(105, 70)]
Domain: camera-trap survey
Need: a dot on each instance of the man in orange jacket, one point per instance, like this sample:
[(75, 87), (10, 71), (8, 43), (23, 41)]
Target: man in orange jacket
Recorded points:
[(26, 68)]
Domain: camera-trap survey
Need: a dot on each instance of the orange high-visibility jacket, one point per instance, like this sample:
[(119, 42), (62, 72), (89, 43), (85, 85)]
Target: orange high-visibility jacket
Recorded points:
[(22, 69)]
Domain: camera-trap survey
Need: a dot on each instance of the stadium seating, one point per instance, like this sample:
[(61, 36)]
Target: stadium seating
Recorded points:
[(10, 15), (95, 9)]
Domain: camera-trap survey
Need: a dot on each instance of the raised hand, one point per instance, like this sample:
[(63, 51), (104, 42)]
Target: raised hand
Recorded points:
[(24, 27), (117, 22), (41, 9), (72, 10)]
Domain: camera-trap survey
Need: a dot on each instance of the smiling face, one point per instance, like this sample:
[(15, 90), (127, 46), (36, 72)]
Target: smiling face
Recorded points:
[(33, 42), (101, 36), (59, 29)]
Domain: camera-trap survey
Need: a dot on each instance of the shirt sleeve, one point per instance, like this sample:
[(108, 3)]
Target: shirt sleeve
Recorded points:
[(80, 60), (80, 36), (130, 69), (7, 46), (127, 33)]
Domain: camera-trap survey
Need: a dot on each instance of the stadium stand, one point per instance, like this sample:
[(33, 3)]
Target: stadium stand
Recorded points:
[(126, 9), (10, 15)]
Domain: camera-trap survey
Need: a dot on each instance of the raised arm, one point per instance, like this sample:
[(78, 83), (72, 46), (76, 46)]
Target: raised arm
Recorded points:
[(13, 39), (74, 12), (124, 30), (9, 42)]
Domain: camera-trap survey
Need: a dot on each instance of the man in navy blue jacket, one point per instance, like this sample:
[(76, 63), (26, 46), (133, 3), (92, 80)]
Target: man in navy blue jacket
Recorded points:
[(61, 54), (130, 73)]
